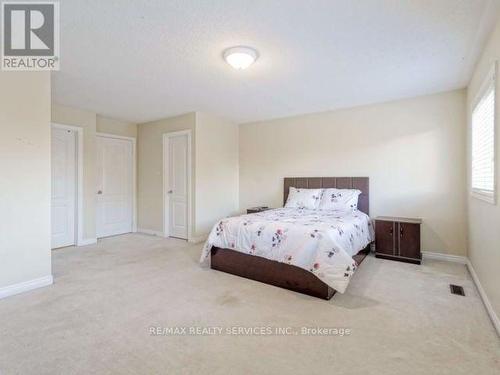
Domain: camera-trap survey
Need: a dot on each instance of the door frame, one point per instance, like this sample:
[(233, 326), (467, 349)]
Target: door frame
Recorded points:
[(79, 241), (166, 200), (134, 172)]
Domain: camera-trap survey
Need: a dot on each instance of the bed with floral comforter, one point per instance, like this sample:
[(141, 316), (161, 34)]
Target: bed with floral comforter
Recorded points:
[(322, 242)]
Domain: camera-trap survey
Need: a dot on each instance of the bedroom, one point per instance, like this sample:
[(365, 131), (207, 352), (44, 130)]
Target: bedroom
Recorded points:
[(123, 166)]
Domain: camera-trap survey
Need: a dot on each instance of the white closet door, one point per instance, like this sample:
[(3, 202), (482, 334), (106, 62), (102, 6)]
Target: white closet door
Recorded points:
[(63, 163), (178, 185), (114, 188)]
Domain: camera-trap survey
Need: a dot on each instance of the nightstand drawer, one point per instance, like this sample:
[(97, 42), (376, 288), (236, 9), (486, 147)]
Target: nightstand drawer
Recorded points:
[(384, 237), (409, 240)]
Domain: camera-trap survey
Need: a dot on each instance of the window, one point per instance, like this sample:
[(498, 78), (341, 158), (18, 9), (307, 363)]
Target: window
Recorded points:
[(483, 141)]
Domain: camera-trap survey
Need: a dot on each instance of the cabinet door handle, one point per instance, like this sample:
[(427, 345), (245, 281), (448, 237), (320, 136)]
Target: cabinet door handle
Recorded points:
[(391, 231), (400, 231)]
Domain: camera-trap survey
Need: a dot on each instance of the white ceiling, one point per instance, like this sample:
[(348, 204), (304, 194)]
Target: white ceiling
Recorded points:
[(143, 60)]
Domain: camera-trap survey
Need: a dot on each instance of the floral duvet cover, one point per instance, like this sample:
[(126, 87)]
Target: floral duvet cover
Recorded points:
[(322, 242)]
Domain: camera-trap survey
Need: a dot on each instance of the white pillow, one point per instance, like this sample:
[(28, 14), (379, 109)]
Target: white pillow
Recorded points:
[(303, 198), (339, 199)]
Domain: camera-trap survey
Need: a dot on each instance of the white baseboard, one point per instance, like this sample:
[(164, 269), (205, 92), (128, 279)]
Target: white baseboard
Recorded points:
[(87, 241), (444, 257), (487, 304), (25, 286), (150, 232), (198, 239)]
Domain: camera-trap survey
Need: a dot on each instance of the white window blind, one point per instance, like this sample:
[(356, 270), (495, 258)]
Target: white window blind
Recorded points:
[(483, 142)]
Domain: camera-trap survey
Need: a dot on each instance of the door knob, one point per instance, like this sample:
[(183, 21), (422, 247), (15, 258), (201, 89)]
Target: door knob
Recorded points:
[(170, 191), (99, 192)]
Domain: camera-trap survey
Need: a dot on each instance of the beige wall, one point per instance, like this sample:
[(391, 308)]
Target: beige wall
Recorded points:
[(91, 123), (116, 127), (484, 218), (25, 178), (216, 170), (412, 150), (150, 169)]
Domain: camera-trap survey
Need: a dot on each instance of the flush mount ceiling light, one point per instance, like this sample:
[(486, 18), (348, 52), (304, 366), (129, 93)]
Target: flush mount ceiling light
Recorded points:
[(240, 57)]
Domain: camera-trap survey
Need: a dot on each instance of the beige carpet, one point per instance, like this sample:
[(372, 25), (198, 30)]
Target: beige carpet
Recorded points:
[(96, 318)]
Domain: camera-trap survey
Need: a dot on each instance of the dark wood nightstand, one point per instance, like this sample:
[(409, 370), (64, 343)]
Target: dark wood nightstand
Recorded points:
[(254, 210), (398, 238)]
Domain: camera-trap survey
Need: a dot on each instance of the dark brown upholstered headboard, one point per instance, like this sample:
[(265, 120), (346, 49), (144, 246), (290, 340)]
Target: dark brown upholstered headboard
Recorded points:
[(360, 183)]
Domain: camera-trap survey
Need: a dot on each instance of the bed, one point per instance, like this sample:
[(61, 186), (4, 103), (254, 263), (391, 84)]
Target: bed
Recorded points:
[(308, 251)]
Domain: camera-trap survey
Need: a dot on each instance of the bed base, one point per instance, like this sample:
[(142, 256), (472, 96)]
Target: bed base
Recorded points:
[(274, 273)]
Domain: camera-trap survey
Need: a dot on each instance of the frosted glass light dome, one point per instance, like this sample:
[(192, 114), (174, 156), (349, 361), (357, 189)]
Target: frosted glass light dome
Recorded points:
[(240, 57)]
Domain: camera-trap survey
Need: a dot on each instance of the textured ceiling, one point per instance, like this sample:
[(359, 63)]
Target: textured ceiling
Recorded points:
[(144, 60)]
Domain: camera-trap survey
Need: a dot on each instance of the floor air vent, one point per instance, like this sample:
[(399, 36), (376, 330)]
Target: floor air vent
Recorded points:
[(457, 289)]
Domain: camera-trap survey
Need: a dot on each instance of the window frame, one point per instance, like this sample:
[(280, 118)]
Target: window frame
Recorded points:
[(480, 194)]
